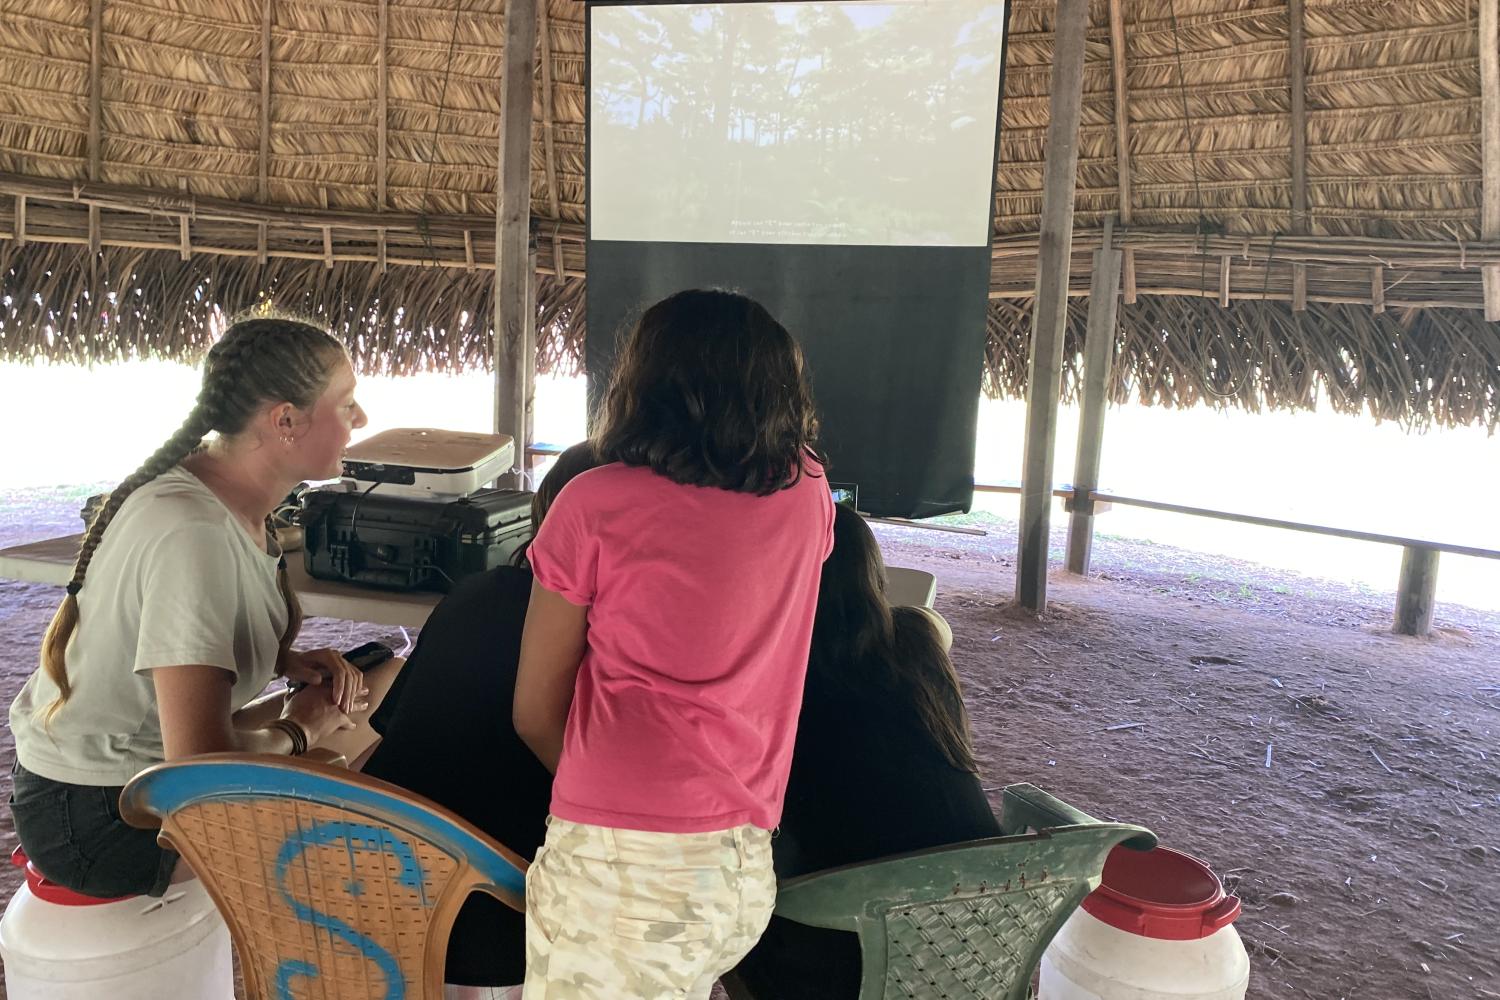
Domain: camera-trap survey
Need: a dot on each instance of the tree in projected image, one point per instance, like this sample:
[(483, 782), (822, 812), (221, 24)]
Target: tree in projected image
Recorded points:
[(800, 123)]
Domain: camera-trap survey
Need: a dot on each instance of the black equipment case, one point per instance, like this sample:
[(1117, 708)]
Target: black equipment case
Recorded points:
[(406, 543)]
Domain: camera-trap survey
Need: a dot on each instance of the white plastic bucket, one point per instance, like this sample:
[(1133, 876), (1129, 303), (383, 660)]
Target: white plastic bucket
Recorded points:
[(1159, 927), (58, 945)]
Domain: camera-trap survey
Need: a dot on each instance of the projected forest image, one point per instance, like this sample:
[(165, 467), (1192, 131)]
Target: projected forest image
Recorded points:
[(862, 124)]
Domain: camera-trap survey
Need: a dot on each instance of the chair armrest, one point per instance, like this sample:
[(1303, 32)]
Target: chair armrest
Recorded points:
[(323, 755), (1024, 806)]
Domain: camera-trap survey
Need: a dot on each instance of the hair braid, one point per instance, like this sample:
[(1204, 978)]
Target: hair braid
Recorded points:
[(284, 584), (55, 643), (254, 362)]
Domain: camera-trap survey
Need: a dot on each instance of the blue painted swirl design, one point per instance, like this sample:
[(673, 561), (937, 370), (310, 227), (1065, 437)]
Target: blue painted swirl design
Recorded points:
[(355, 837)]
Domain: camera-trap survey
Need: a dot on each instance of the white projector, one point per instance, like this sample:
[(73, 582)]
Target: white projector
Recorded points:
[(427, 462)]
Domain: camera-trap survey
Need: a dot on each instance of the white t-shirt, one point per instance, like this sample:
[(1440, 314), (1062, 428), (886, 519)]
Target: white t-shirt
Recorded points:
[(176, 580)]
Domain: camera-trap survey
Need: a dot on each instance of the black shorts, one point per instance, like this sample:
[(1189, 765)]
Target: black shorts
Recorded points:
[(76, 838)]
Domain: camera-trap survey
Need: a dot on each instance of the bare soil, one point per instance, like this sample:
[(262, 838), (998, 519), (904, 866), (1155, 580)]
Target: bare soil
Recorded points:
[(1344, 781)]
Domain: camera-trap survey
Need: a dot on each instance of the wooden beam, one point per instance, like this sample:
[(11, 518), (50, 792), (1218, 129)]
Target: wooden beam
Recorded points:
[(1122, 105), (185, 244), (94, 230), (1224, 281), (264, 165), (515, 319), (153, 201), (1128, 272), (327, 233), (1298, 43), (544, 52), (1050, 314), (20, 221), (96, 87), (1489, 128), (382, 123), (468, 239), (1377, 290), (1416, 591), (1299, 288), (1098, 355), (544, 48)]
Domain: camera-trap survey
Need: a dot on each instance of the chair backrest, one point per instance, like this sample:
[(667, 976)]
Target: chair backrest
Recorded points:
[(323, 874), (968, 920)]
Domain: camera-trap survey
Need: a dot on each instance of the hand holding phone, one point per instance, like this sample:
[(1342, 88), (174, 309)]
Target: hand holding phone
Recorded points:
[(318, 666)]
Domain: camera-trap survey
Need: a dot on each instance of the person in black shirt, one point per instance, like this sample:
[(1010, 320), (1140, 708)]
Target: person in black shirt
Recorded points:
[(883, 762), (447, 735)]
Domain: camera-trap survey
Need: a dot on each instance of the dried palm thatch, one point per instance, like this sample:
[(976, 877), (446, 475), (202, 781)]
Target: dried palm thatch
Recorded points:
[(340, 157), (59, 305), (1180, 352)]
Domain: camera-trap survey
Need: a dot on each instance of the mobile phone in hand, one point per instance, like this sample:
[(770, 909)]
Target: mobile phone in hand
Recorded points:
[(370, 655), (366, 657)]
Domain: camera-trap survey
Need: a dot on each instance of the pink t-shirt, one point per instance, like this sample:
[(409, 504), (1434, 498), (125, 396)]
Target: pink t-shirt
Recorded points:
[(701, 604)]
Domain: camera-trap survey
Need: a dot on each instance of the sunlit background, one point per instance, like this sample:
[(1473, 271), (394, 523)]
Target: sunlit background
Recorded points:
[(64, 425)]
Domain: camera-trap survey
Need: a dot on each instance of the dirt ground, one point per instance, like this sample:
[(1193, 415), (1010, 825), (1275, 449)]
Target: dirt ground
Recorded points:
[(1344, 782)]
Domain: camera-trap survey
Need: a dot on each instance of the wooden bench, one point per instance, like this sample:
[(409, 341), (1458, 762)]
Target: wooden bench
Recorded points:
[(1419, 562)]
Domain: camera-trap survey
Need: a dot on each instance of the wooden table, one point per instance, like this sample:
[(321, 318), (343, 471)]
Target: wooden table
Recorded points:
[(51, 561)]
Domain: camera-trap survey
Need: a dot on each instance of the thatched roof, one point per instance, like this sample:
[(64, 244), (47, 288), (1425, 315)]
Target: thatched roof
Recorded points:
[(341, 154)]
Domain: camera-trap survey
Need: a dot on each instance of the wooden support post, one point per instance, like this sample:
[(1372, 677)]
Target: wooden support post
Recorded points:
[(1224, 281), (515, 319), (1377, 290), (184, 238), (1414, 596), (96, 235), (1298, 58), (528, 380), (1489, 129), (1128, 276), (20, 224), (1050, 314), (1299, 288), (1098, 355)]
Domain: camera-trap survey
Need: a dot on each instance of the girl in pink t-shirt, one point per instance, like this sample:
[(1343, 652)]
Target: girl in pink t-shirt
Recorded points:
[(664, 653)]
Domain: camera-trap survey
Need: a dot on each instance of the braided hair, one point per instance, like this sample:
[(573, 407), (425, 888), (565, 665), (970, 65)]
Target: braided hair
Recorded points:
[(257, 361)]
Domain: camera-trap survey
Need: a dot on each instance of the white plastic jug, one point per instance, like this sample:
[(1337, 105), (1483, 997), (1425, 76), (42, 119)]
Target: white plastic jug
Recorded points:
[(59, 945), (1159, 927)]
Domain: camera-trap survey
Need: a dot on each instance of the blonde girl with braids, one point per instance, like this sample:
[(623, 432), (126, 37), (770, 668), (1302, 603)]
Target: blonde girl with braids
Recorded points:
[(179, 613)]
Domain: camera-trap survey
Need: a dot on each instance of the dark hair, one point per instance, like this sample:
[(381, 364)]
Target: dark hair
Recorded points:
[(577, 459), (257, 361), (709, 390), (861, 646)]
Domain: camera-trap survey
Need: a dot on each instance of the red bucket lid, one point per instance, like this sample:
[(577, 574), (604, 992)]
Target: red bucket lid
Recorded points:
[(1162, 894), (51, 892)]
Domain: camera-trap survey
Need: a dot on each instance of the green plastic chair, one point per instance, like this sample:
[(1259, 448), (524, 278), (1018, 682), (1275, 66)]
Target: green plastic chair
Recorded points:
[(968, 920)]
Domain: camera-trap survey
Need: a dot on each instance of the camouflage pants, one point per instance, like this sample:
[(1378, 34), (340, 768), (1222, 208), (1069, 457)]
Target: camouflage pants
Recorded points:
[(621, 914)]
